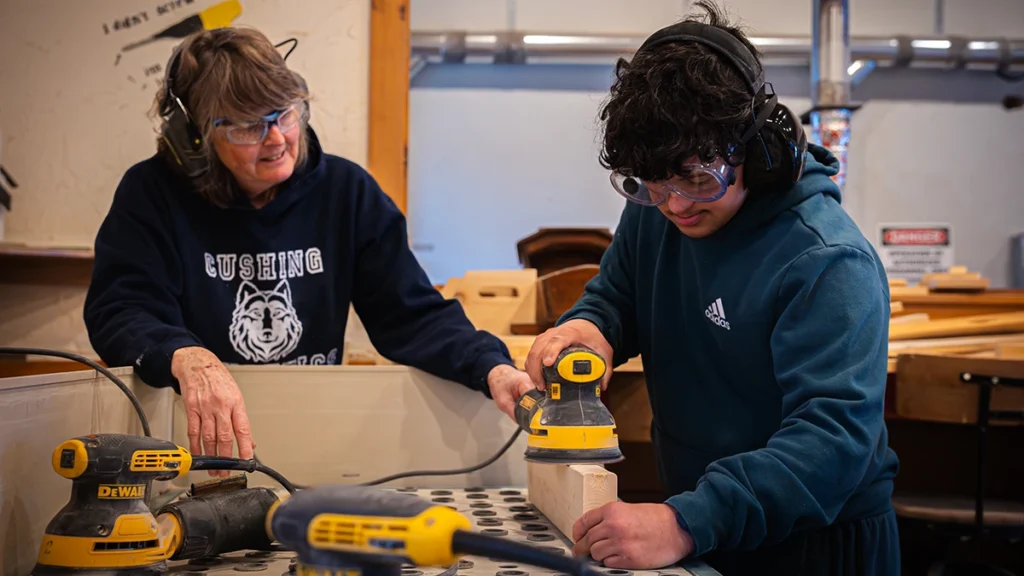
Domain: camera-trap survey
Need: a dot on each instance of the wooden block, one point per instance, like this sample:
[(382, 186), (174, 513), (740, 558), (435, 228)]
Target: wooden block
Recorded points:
[(496, 299), (897, 282), (895, 307), (957, 279), (909, 319), (904, 291), (563, 492)]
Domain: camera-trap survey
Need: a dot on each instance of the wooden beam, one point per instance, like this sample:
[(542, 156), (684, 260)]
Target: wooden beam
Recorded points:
[(390, 52), (563, 492)]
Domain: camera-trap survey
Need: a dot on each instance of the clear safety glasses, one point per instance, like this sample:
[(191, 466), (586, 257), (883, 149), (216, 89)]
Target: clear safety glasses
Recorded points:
[(254, 133), (704, 182)]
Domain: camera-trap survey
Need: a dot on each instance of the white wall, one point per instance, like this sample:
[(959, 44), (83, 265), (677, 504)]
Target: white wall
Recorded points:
[(73, 117), (497, 152)]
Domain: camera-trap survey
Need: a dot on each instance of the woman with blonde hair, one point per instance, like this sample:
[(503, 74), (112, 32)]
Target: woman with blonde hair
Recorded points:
[(242, 241)]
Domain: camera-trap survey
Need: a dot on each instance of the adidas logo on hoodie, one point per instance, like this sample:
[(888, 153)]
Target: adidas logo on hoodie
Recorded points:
[(716, 314)]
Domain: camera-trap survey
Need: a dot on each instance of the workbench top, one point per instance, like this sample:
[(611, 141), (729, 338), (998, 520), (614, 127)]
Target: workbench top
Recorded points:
[(504, 512)]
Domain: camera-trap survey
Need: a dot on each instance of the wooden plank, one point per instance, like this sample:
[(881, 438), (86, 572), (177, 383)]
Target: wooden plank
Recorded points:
[(965, 326), (941, 305), (564, 492), (902, 292), (909, 319), (924, 344), (895, 307), (957, 279), (1010, 350), (389, 97)]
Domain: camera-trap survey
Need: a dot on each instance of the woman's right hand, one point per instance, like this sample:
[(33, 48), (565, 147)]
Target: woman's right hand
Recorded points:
[(213, 404), (550, 344)]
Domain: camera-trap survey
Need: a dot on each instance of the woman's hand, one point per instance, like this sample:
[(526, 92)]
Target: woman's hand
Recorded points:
[(213, 404), (550, 344), (507, 385)]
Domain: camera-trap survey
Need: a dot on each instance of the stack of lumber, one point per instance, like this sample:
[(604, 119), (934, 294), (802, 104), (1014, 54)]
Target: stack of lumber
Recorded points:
[(949, 313), (955, 314)]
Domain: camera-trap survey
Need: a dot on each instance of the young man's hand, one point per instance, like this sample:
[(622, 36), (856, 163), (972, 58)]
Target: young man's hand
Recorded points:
[(632, 536), (550, 344), (213, 404), (507, 385)]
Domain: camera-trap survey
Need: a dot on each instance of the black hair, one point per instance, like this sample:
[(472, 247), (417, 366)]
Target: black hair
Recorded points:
[(670, 102)]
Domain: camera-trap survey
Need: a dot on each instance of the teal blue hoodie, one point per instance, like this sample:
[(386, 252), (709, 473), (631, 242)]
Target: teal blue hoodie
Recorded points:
[(764, 347)]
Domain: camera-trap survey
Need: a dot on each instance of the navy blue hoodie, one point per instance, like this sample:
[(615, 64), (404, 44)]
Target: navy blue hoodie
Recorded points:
[(270, 285), (765, 349)]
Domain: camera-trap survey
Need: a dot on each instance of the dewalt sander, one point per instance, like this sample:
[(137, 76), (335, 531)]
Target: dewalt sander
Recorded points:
[(345, 530), (567, 422), (107, 526)]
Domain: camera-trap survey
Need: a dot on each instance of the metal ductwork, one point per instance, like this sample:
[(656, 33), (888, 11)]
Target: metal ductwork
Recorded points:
[(831, 112), (1000, 55)]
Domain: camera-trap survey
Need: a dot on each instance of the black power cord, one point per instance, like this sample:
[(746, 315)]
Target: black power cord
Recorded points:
[(253, 465), (95, 366), (229, 463), (454, 472), (202, 462)]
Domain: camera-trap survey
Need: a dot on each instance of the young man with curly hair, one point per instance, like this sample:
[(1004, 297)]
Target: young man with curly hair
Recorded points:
[(761, 313)]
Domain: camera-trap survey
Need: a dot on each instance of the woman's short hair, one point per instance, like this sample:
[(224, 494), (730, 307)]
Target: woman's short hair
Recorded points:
[(234, 73)]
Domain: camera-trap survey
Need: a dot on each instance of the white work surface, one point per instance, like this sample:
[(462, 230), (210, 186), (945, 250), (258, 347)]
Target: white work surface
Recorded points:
[(503, 512), (314, 424)]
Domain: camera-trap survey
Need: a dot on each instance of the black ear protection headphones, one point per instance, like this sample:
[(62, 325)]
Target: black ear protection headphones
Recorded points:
[(768, 115), (182, 135)]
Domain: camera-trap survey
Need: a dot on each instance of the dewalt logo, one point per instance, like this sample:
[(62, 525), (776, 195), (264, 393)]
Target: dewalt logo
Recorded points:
[(122, 492)]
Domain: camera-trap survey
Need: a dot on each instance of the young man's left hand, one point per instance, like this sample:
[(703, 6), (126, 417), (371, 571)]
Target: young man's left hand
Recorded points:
[(632, 536)]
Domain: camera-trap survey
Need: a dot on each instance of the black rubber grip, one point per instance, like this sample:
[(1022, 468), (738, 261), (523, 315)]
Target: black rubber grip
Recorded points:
[(222, 523)]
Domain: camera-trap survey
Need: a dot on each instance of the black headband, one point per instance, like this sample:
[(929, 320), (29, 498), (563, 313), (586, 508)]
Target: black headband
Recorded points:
[(716, 38)]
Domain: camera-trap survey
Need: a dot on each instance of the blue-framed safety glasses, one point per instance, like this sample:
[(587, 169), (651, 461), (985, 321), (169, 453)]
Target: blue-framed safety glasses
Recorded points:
[(285, 120)]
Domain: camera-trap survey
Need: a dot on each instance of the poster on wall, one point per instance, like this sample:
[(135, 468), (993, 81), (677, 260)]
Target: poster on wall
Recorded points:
[(163, 25), (911, 250)]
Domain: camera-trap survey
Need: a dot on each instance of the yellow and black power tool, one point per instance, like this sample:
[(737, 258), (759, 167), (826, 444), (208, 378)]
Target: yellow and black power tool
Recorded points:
[(345, 530), (567, 422), (107, 526)]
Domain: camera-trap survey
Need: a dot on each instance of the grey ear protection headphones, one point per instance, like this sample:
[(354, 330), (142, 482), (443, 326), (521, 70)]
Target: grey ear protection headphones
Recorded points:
[(768, 115), (180, 132)]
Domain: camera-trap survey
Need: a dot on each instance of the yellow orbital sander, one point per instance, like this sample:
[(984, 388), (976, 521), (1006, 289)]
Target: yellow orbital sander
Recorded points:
[(107, 528), (567, 423)]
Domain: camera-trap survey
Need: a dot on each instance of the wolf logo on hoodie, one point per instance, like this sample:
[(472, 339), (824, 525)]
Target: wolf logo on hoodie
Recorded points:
[(264, 324)]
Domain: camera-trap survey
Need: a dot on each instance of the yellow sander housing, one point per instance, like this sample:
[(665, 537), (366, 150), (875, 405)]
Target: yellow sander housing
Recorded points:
[(567, 422), (107, 527)]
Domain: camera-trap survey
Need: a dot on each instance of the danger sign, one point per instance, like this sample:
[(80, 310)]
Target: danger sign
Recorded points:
[(915, 237), (909, 251)]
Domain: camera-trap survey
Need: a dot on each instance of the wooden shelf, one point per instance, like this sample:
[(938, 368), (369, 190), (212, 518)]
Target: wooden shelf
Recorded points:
[(22, 264)]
